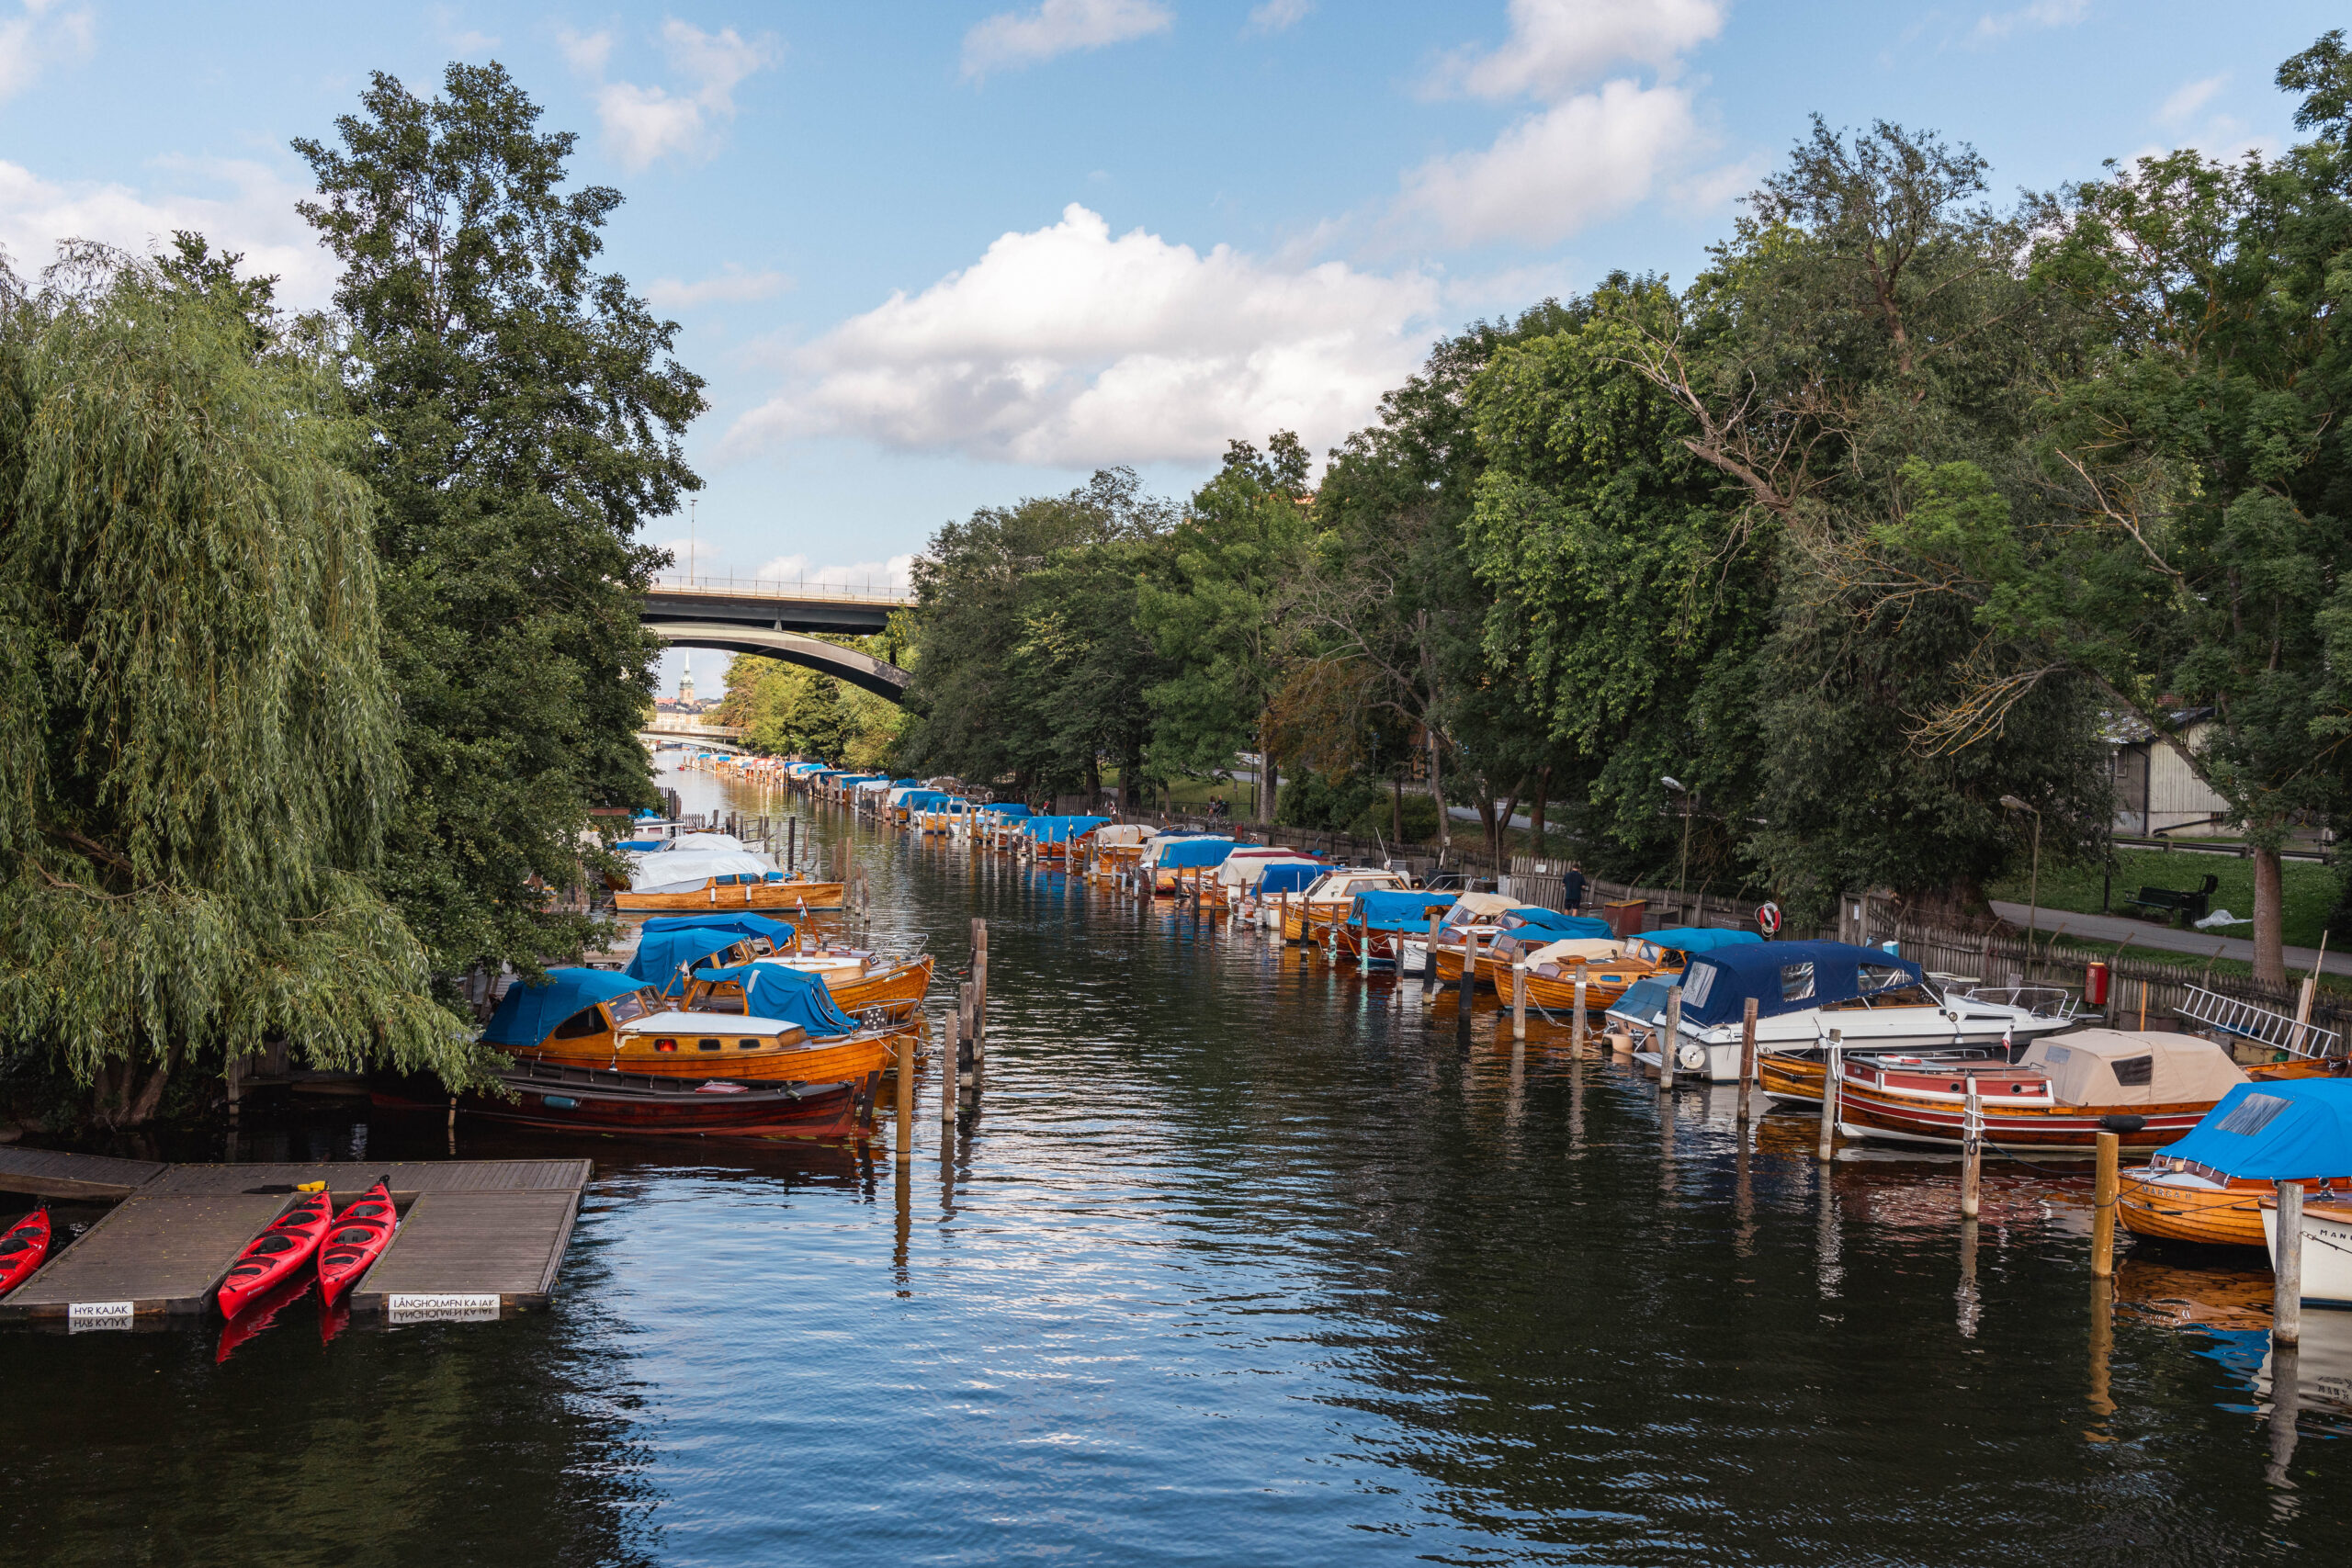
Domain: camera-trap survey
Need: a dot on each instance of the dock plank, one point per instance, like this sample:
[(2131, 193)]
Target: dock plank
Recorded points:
[(52, 1173), (161, 1252), (503, 1244)]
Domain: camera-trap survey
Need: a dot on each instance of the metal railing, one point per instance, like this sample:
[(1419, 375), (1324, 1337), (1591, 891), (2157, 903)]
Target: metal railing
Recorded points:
[(871, 592)]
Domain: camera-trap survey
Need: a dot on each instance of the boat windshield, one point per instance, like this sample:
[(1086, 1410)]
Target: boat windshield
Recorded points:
[(636, 1004)]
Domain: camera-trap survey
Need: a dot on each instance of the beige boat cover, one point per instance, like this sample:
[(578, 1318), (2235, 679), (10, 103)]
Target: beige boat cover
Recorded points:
[(2126, 1066), (1596, 948), (1472, 907), (1245, 868), (1122, 833)]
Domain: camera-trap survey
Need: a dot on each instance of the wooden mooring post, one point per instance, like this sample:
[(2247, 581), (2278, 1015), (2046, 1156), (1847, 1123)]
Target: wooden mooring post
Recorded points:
[(1429, 961), (2103, 1192), (2287, 1267), (1746, 1056), (1577, 1024), (1833, 1068), (979, 987), (1672, 1042), (1518, 996), (1972, 1150), (905, 1070)]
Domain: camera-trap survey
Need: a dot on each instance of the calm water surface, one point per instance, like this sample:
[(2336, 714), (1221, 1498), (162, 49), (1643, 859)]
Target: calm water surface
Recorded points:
[(1238, 1261)]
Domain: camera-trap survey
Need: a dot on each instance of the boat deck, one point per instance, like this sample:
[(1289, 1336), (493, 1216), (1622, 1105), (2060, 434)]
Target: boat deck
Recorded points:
[(477, 1237)]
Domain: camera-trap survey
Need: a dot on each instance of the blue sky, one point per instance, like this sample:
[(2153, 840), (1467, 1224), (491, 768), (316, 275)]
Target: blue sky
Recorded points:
[(934, 256)]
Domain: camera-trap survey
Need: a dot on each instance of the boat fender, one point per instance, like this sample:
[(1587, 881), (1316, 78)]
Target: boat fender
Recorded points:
[(1690, 1058), (2122, 1124)]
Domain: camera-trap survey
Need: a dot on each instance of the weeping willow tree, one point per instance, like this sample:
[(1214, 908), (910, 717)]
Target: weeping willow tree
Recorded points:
[(195, 730)]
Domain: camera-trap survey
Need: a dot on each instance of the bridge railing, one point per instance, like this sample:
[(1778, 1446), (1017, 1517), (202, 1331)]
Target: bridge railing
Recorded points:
[(871, 592)]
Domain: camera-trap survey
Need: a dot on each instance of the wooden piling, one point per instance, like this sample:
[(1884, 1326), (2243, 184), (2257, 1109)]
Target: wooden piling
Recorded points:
[(950, 1067), (1428, 961), (980, 986), (2103, 1191), (1672, 1042), (1833, 1068), (1577, 1024), (1746, 1056), (1972, 1150), (1469, 975), (1518, 996), (905, 1068), (2287, 1267)]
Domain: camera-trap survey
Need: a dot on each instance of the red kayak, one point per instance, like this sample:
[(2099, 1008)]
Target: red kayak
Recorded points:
[(357, 1238), (276, 1254), (23, 1249)]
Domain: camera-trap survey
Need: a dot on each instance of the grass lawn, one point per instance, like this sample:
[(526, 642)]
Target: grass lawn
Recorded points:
[(2311, 889)]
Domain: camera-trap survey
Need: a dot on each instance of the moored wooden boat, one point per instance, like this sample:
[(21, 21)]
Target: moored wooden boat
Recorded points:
[(732, 892), (544, 1094), (2209, 1187)]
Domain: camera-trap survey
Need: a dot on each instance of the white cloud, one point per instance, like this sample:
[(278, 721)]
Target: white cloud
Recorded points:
[(897, 572), (2041, 14), (1276, 16), (41, 35), (1559, 46), (255, 214), (2187, 99), (645, 124), (1069, 348), (731, 286), (1059, 27), (455, 36), (1586, 158)]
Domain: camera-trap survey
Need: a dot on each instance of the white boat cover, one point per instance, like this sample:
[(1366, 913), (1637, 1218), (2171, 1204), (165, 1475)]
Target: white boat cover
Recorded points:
[(1594, 948), (673, 871), (727, 843), (2126, 1066), (1122, 833)]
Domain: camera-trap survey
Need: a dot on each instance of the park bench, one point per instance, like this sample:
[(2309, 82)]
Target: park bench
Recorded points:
[(2172, 903)]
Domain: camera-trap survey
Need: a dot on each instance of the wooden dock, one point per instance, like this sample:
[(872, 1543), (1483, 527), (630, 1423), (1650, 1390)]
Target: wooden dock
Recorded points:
[(477, 1237)]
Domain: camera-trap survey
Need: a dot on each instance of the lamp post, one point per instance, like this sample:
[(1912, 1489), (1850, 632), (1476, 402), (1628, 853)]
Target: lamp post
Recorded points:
[(2034, 884), (1682, 889)]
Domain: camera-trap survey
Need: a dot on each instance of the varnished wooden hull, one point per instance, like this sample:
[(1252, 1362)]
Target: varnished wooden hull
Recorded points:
[(900, 990), (634, 1103), (837, 1056), (1554, 994), (2226, 1216), (774, 896)]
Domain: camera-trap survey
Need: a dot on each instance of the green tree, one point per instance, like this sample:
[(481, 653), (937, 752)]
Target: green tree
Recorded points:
[(200, 747), (1223, 614), (527, 418)]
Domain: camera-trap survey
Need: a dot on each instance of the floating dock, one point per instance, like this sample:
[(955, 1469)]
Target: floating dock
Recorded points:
[(478, 1238)]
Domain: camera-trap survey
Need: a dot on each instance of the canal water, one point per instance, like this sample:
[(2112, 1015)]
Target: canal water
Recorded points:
[(1238, 1259)]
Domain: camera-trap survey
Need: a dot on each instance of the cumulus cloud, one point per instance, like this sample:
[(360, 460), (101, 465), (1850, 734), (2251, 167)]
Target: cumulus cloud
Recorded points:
[(1059, 27), (2189, 97), (1276, 16), (896, 574), (1591, 148), (1559, 46), (42, 34), (644, 124), (253, 212), (2041, 14), (1068, 347), (732, 284)]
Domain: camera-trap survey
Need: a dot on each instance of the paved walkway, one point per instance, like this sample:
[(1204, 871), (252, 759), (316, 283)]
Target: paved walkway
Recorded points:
[(2148, 934)]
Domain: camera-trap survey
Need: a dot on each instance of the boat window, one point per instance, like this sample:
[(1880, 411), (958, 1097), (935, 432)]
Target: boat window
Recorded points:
[(730, 1001), (634, 1005), (579, 1025), (1878, 977), (747, 1044), (707, 1045), (2135, 1072), (2252, 1114), (1796, 982), (1697, 984)]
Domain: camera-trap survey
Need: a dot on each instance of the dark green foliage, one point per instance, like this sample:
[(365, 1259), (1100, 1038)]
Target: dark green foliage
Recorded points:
[(527, 418), (198, 743)]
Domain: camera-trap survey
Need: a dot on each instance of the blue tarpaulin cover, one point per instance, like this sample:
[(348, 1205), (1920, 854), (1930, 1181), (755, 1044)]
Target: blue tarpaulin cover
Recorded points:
[(1277, 880), (1060, 829), (1391, 910), (742, 924), (1785, 976), (528, 1013), (1185, 854), (1009, 813), (1697, 939), (2282, 1130), (662, 957), (1563, 926), (770, 990)]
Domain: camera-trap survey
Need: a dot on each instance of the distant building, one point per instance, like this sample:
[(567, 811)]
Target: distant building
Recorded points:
[(2156, 789), (686, 689)]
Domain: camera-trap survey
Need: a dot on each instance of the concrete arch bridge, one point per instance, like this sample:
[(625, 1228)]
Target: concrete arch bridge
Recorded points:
[(773, 620)]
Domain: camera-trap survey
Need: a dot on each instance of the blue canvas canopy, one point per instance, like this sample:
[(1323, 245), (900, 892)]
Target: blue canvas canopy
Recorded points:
[(1060, 829), (2280, 1130), (528, 1013), (1277, 880), (770, 990), (1392, 909), (1009, 813), (1562, 926), (1697, 939), (663, 958), (743, 923), (1185, 854), (1785, 976)]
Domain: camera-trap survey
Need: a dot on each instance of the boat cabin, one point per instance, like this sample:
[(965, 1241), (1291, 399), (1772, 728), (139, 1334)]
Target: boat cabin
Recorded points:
[(578, 1009), (1339, 887)]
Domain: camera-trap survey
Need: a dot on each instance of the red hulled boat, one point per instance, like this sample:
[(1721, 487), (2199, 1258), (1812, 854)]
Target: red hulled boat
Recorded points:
[(275, 1255), (23, 1249), (355, 1241)]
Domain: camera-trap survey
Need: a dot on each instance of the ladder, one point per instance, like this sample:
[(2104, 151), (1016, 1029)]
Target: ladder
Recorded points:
[(2247, 1022)]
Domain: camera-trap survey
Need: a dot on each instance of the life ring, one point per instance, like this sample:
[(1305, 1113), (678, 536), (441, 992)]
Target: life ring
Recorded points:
[(1767, 917)]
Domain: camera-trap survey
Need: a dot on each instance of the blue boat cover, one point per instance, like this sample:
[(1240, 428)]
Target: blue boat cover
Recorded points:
[(1697, 939), (1392, 909), (1060, 829), (2280, 1130), (1009, 813), (770, 990), (1277, 880), (742, 923), (1784, 976), (662, 958), (1563, 926), (528, 1013), (1185, 854)]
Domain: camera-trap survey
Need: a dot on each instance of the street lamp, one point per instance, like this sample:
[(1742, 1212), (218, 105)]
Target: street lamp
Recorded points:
[(1682, 891), (2033, 886)]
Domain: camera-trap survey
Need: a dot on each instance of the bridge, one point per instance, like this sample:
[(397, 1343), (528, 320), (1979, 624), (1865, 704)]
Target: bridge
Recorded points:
[(774, 619)]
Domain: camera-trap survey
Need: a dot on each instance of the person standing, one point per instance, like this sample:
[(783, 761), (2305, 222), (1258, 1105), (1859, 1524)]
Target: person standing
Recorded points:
[(1572, 887)]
